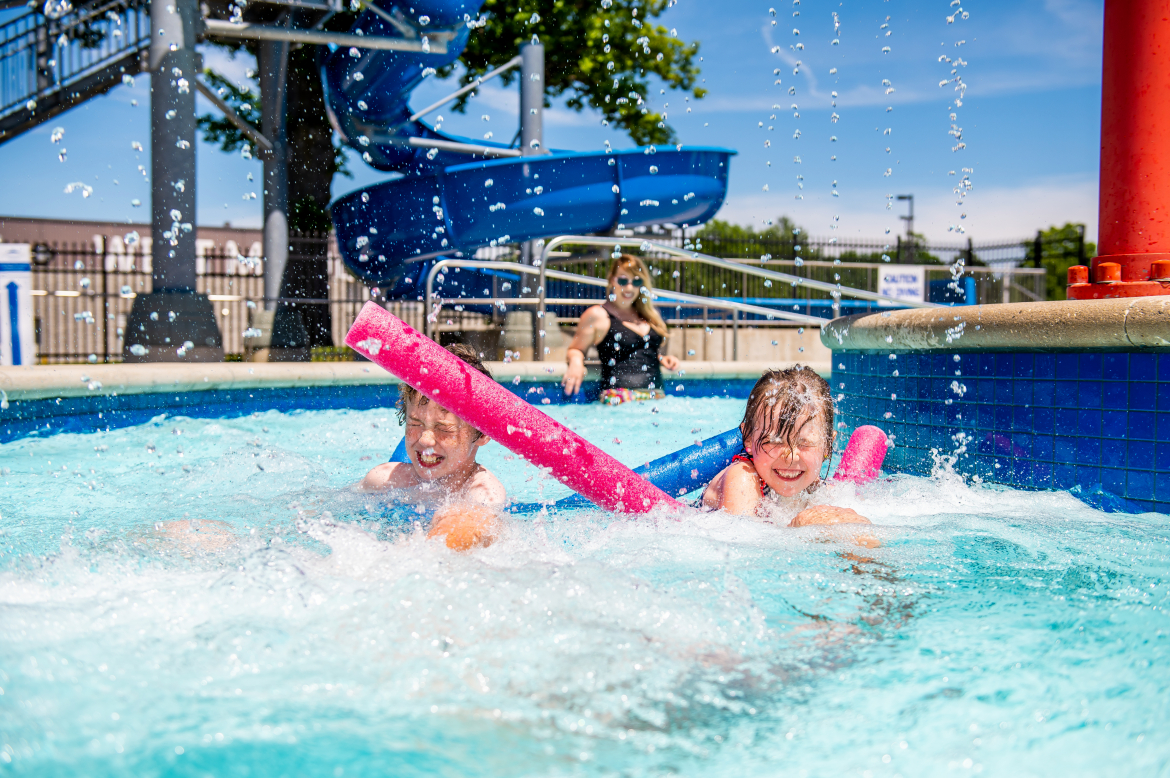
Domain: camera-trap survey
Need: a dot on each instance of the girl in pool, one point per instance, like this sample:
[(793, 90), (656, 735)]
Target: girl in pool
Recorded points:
[(628, 333), (787, 437)]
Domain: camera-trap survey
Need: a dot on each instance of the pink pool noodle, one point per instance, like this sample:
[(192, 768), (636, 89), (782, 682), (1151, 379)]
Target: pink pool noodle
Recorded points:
[(863, 457), (499, 414)]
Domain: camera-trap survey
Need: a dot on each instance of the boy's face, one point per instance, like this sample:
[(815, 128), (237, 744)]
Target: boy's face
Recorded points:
[(438, 443), (791, 470)]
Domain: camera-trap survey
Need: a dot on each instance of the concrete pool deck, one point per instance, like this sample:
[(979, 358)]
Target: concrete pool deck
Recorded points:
[(39, 382)]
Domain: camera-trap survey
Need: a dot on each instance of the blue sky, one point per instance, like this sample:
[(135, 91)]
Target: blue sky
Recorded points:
[(1030, 119)]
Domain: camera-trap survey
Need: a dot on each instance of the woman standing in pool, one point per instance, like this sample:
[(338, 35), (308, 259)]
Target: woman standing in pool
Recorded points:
[(628, 332)]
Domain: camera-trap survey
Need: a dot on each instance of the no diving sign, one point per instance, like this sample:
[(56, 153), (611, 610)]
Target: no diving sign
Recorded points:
[(16, 313), (906, 282)]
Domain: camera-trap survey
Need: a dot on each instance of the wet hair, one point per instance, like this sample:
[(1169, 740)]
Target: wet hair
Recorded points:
[(782, 401), (408, 394), (642, 303)]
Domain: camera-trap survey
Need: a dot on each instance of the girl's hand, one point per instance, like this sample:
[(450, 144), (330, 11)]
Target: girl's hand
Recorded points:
[(574, 375), (669, 362), (827, 514)]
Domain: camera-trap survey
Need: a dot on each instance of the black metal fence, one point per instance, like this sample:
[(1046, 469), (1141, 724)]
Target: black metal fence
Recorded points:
[(83, 293), (818, 260)]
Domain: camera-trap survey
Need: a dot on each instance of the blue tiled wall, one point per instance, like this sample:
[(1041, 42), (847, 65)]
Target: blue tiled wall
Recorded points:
[(1097, 423)]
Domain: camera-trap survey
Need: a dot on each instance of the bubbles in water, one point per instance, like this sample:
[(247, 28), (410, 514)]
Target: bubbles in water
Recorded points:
[(653, 170), (424, 20)]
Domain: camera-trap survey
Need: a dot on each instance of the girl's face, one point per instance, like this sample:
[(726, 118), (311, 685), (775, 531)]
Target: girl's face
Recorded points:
[(788, 471), (625, 287)]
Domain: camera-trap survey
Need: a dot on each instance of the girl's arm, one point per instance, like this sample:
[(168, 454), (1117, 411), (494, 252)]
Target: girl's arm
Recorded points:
[(590, 331), (735, 490)]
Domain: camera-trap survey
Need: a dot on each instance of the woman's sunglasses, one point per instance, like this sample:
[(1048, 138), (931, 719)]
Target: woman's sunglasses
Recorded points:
[(623, 281)]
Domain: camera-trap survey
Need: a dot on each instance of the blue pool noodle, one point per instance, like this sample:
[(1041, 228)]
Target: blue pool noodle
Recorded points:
[(676, 474), (399, 454)]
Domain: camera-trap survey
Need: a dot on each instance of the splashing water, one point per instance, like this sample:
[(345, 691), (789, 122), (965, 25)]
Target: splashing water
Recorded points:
[(315, 630)]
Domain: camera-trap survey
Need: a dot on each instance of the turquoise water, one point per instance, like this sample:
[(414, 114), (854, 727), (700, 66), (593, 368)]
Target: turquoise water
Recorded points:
[(995, 631)]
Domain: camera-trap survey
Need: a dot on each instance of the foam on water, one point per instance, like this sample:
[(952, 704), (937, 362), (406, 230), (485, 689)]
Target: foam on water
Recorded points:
[(995, 630)]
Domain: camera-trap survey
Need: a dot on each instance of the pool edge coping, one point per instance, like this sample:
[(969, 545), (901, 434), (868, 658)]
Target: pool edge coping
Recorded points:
[(40, 382), (1118, 324)]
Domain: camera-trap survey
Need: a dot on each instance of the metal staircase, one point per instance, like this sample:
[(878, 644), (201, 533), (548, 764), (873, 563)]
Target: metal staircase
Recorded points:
[(56, 56)]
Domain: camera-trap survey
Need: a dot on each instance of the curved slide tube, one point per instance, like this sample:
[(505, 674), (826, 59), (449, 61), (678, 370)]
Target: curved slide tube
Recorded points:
[(462, 207), (499, 414), (449, 202)]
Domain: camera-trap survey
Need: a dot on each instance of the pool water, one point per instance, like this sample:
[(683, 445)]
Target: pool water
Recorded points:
[(994, 631)]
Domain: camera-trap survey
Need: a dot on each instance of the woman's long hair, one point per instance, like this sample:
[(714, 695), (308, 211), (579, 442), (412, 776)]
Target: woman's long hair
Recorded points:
[(642, 303)]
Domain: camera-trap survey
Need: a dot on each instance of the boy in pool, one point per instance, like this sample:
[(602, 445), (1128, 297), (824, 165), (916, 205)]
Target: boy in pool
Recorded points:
[(442, 470), (787, 437)]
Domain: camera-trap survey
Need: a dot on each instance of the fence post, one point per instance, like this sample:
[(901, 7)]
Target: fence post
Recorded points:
[(105, 301), (735, 336)]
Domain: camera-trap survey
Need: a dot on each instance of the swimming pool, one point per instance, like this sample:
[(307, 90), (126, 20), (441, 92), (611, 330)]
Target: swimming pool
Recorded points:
[(995, 631)]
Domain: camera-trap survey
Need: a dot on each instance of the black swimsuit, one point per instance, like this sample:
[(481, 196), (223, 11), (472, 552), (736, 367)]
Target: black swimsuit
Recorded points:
[(629, 360)]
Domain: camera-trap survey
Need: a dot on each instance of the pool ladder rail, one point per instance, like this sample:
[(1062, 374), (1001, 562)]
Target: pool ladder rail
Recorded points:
[(541, 269)]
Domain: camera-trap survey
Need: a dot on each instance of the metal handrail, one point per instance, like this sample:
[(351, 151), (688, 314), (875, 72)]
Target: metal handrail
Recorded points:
[(836, 290), (541, 300)]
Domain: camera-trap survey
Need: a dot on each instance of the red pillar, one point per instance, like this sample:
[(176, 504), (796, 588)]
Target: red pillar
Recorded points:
[(1134, 215)]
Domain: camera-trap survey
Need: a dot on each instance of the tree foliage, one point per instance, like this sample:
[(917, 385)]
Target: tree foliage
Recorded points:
[(1061, 248), (600, 54)]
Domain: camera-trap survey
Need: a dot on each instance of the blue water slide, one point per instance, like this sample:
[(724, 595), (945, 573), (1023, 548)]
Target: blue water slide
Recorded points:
[(447, 202)]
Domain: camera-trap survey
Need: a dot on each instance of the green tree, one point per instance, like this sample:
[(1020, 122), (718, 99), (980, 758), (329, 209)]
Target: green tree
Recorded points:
[(599, 54), (1061, 248), (777, 240)]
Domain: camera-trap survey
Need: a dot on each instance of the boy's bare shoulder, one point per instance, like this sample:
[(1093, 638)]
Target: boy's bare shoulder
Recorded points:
[(486, 489), (388, 475)]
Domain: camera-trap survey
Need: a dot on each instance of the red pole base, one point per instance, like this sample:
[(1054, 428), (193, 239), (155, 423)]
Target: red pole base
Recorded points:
[(1120, 275), (1120, 289)]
